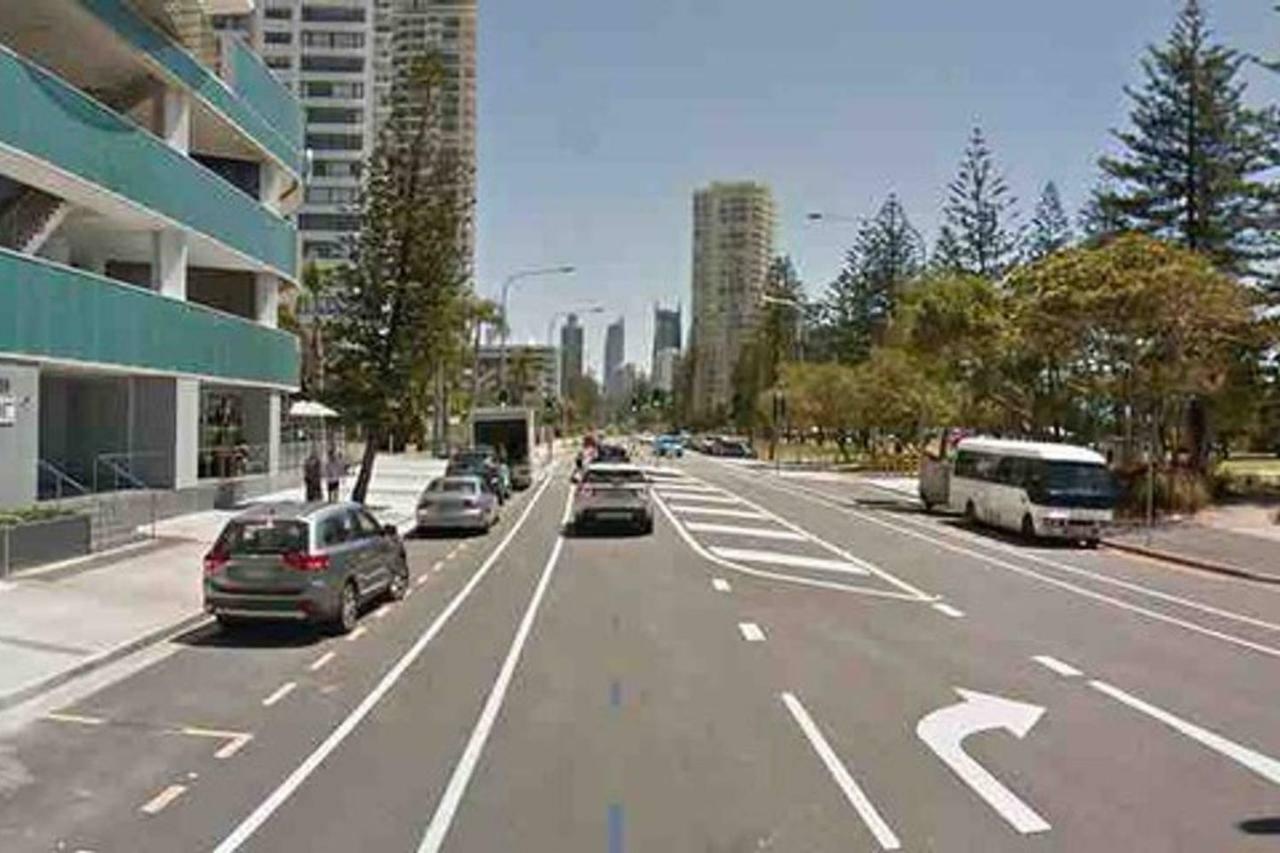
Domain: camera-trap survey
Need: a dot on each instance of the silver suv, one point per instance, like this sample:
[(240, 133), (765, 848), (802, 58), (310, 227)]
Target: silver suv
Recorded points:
[(315, 562)]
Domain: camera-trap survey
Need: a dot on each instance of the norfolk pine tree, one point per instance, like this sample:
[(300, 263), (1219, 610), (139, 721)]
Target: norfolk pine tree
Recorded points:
[(978, 234)]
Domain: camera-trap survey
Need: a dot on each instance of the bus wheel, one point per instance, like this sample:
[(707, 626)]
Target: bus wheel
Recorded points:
[(1028, 528), (970, 513)]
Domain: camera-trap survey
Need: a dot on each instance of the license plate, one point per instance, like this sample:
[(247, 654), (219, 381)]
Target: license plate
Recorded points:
[(614, 516)]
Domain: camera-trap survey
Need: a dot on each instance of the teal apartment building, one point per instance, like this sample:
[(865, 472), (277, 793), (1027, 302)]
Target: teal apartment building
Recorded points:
[(148, 167)]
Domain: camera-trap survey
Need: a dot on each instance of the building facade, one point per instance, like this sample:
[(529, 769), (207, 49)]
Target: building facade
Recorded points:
[(733, 225), (615, 353), (145, 185), (532, 373), (665, 364), (668, 331), (571, 349)]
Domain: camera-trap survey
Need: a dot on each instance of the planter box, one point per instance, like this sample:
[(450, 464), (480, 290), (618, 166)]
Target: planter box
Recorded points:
[(40, 542)]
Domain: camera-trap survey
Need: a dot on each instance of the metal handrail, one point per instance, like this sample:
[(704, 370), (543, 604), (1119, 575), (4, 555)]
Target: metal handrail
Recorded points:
[(118, 471), (60, 477)]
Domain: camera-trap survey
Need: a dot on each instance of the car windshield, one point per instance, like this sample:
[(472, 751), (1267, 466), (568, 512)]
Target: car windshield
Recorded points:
[(1078, 478), (614, 476), (265, 536)]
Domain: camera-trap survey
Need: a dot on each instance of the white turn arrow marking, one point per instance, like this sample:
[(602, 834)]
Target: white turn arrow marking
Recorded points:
[(944, 731)]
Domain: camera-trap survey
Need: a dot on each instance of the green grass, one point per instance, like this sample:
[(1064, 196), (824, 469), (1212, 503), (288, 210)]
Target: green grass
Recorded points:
[(13, 517), (1250, 466)]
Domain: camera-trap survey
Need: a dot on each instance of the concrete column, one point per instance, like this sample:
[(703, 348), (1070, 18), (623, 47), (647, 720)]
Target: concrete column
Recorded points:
[(273, 433), (20, 440), (171, 117), (169, 263), (266, 299), (272, 182), (186, 433)]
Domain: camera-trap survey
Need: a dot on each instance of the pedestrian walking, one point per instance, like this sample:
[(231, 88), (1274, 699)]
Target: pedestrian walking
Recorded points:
[(311, 476), (334, 471)]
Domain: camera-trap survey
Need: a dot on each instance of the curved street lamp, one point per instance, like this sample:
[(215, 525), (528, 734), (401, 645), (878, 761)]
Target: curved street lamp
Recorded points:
[(506, 289)]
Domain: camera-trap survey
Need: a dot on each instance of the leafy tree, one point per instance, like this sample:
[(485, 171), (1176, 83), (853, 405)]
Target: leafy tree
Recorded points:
[(978, 234), (1050, 229), (400, 305), (819, 396), (583, 403), (887, 254), (1196, 159)]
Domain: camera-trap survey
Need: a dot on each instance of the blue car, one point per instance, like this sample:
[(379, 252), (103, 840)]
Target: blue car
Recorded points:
[(668, 445)]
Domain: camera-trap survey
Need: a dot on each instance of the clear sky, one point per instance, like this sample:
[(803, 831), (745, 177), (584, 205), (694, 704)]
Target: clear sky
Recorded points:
[(598, 118)]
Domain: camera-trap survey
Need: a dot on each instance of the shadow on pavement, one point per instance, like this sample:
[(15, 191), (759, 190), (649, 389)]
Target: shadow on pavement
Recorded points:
[(459, 533), (1261, 826), (603, 531), (253, 635), (1008, 537)]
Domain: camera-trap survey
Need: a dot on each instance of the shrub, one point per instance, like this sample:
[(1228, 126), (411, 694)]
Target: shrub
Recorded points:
[(14, 517)]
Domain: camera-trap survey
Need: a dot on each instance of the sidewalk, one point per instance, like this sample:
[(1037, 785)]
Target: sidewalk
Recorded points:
[(59, 622), (1201, 546)]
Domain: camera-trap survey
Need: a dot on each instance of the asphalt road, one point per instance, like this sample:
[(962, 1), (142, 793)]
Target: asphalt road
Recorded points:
[(778, 667)]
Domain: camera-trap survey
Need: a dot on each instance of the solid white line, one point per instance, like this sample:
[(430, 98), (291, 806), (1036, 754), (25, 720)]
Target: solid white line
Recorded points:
[(438, 828), (720, 585), (720, 512), (751, 632), (948, 610), (282, 691), (690, 488), (752, 532), (854, 794), (246, 828), (359, 632), (157, 804), (1061, 584), (795, 561), (75, 718), (233, 746), (1066, 670), (1264, 765), (322, 661)]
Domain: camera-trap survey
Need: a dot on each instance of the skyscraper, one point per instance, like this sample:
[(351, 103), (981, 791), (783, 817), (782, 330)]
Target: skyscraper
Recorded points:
[(667, 332), (732, 245), (571, 345), (615, 352)]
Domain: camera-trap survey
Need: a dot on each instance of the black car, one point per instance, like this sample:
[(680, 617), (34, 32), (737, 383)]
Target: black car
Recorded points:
[(612, 454)]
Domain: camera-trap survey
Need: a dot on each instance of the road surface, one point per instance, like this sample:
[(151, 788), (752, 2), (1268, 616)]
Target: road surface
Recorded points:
[(786, 664)]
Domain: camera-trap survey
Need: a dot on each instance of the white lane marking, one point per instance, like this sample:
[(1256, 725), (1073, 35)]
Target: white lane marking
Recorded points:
[(844, 779), (885, 576), (750, 532), (720, 585), (80, 719), (1061, 584), (795, 561), (948, 610), (751, 632), (1066, 670), (945, 730), (442, 819), (699, 497), (233, 746), (382, 612), (359, 632), (160, 801), (688, 488), (1264, 765), (247, 827), (322, 661), (717, 511), (422, 580), (280, 692), (702, 552)]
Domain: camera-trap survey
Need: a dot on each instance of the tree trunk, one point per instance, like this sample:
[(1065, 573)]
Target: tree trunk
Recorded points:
[(372, 441)]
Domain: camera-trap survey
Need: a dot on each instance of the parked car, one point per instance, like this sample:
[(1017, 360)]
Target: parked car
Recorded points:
[(613, 494), (457, 503), (668, 445), (733, 448), (313, 562)]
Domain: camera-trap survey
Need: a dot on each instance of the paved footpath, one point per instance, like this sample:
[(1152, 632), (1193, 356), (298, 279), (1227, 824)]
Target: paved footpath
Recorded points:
[(782, 665)]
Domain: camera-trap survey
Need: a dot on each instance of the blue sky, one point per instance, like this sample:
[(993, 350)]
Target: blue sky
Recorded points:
[(598, 118)]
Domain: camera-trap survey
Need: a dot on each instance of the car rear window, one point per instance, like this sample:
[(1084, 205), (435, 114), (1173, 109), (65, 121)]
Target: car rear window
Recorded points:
[(265, 536), (457, 487), (617, 477)]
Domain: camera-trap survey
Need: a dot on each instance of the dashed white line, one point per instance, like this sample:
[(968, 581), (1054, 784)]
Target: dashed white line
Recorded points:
[(381, 612), (359, 632), (1054, 665), (854, 794), (435, 567), (233, 746), (720, 585), (280, 692), (76, 718), (422, 580), (699, 497), (751, 555), (320, 662), (948, 610), (160, 801), (751, 632)]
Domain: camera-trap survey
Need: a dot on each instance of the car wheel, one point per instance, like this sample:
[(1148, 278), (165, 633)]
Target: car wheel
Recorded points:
[(1091, 543), (229, 623), (970, 513), (647, 527), (1028, 528), (348, 610), (399, 583)]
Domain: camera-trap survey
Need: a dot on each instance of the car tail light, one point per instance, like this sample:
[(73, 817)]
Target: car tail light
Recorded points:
[(215, 560), (306, 562)]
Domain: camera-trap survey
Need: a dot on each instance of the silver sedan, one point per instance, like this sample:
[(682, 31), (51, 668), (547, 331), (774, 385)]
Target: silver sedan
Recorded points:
[(613, 495), (457, 503)]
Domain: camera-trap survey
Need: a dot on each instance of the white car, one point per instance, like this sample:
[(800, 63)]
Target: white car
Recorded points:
[(613, 494), (457, 503)]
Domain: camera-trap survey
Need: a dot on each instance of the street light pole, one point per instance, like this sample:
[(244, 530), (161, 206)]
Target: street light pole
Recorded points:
[(506, 289)]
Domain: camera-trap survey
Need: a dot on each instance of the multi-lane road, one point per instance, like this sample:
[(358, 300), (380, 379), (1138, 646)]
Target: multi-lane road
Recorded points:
[(786, 664)]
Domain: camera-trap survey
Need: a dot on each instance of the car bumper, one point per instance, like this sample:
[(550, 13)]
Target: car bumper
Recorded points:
[(1070, 528), (316, 603), (471, 519), (620, 516)]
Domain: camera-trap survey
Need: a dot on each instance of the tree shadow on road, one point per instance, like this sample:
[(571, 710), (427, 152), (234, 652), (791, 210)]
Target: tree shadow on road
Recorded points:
[(1260, 826)]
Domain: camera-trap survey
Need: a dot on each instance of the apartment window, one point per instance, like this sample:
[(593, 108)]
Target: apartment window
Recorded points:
[(332, 195), (332, 89), (328, 14), (335, 115), (279, 13), (279, 62), (325, 38), (322, 250), (333, 63), (335, 141), (278, 37), (329, 222)]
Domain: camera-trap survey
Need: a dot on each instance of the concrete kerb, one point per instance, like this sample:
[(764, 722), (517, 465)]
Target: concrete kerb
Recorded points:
[(1191, 562)]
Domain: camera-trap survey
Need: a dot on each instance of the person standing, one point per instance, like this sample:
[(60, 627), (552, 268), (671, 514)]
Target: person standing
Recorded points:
[(311, 476), (334, 471)]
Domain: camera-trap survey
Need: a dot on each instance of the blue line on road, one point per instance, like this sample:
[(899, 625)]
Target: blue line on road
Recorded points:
[(615, 828)]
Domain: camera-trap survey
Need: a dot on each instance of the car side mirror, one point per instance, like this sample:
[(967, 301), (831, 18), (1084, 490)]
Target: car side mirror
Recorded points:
[(390, 530), (575, 477)]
